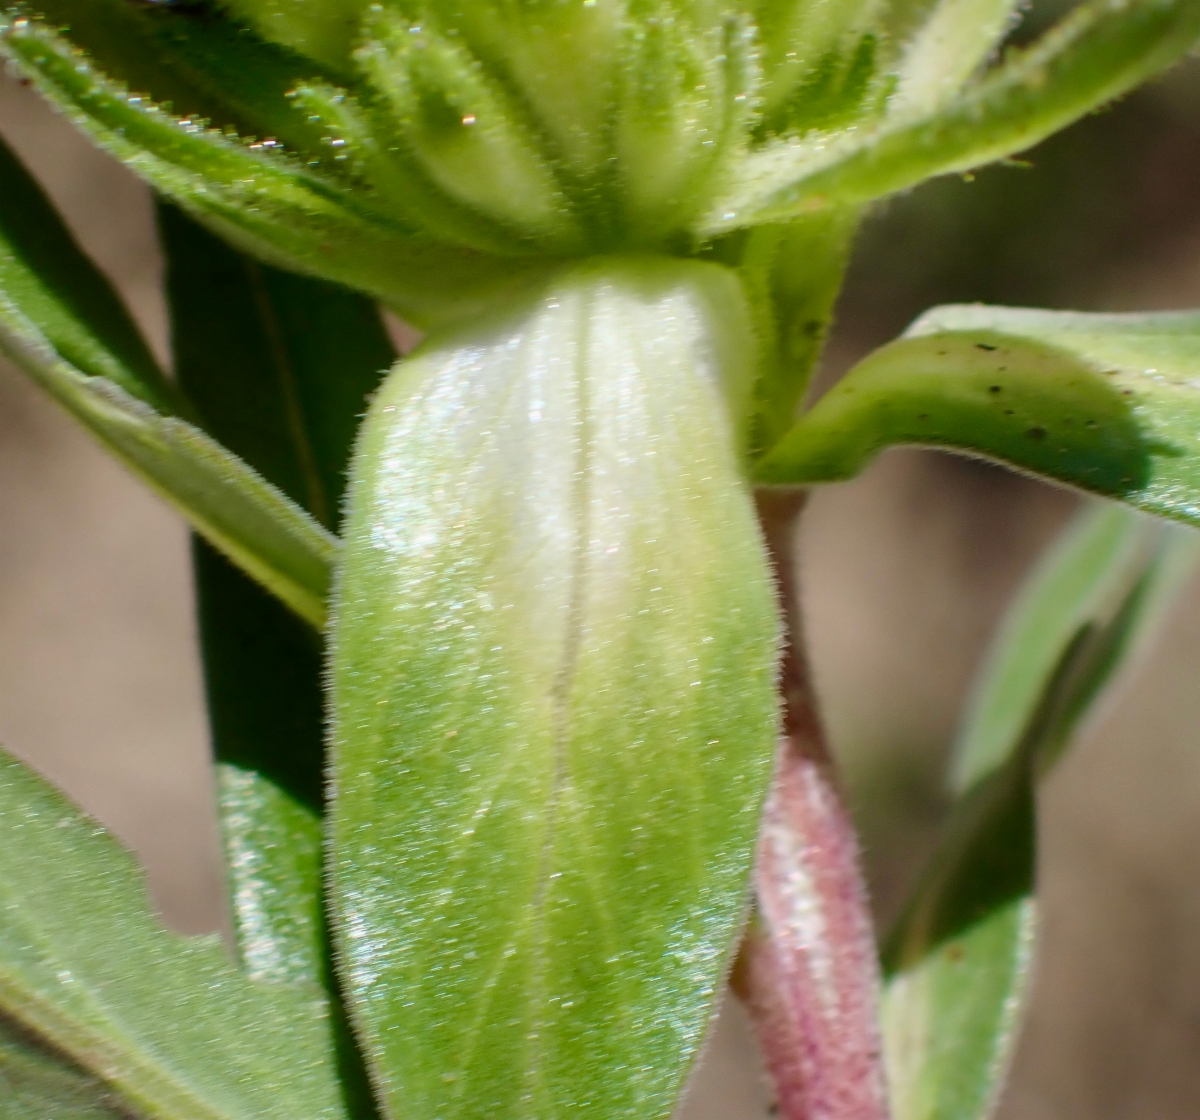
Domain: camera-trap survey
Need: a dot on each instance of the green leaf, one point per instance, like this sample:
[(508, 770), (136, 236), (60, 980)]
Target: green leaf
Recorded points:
[(1102, 50), (281, 367), (553, 696), (959, 959), (793, 273), (1108, 403), (62, 324), (952, 43), (169, 1026), (257, 351), (267, 202), (203, 68), (38, 1084)]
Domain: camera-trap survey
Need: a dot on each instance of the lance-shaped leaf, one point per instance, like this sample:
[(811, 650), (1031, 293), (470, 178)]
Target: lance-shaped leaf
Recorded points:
[(553, 695), (167, 1024), (960, 957), (1102, 50), (63, 325), (1108, 403), (269, 202), (280, 368)]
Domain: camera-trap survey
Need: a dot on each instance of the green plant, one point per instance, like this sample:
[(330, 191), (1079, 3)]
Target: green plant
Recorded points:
[(557, 677)]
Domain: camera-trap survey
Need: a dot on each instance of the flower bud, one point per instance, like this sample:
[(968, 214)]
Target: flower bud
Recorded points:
[(685, 92), (462, 131)]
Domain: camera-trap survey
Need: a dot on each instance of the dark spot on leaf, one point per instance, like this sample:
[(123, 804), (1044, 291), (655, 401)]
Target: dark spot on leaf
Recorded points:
[(1036, 433), (922, 415), (1008, 412), (955, 953), (1091, 424), (985, 346), (995, 388)]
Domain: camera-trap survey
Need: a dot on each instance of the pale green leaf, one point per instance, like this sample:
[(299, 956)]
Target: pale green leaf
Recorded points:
[(1108, 403), (61, 323), (554, 702), (959, 959), (1075, 581), (167, 1023), (952, 43), (1102, 50)]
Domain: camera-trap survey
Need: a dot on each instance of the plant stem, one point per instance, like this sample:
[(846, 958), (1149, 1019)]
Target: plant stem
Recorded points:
[(808, 969)]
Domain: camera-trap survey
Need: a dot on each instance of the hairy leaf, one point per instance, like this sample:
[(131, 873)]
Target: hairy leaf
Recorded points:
[(1108, 403), (952, 43), (264, 200), (62, 324), (960, 957), (1102, 50), (169, 1026), (553, 695)]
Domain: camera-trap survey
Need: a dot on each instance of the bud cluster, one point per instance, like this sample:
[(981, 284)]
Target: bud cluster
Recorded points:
[(561, 127)]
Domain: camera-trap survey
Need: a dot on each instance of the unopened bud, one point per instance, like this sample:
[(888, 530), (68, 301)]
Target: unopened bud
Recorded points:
[(463, 132)]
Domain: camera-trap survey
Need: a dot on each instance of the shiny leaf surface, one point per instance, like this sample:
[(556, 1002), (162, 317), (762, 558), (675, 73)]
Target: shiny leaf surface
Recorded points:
[(1108, 403), (62, 324), (553, 695), (169, 1026)]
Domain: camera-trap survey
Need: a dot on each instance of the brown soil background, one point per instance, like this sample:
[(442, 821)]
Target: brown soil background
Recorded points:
[(906, 571)]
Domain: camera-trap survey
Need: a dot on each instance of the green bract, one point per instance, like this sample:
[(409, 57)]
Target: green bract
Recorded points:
[(378, 143), (553, 700)]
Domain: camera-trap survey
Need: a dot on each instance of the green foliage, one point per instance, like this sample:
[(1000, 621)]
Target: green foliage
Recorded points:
[(543, 825), (553, 702), (62, 324), (1107, 403), (959, 959), (173, 1030)]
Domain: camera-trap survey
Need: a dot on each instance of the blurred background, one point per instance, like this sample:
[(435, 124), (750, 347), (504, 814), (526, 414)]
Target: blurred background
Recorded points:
[(906, 572)]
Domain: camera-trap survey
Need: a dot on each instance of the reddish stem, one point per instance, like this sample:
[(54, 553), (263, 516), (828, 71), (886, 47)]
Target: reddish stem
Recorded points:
[(808, 969)]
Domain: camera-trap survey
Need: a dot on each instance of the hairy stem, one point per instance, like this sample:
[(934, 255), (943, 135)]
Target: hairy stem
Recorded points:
[(808, 969)]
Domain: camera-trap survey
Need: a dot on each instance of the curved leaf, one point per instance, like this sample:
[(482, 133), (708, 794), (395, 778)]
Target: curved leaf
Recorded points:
[(168, 1025), (960, 957), (273, 205), (554, 704), (1102, 50), (1108, 403), (62, 324)]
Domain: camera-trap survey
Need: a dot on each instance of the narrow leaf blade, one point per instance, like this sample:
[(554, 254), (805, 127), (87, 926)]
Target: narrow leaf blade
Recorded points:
[(61, 324), (1102, 50), (1107, 403), (169, 1026), (281, 367), (960, 959), (554, 709)]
